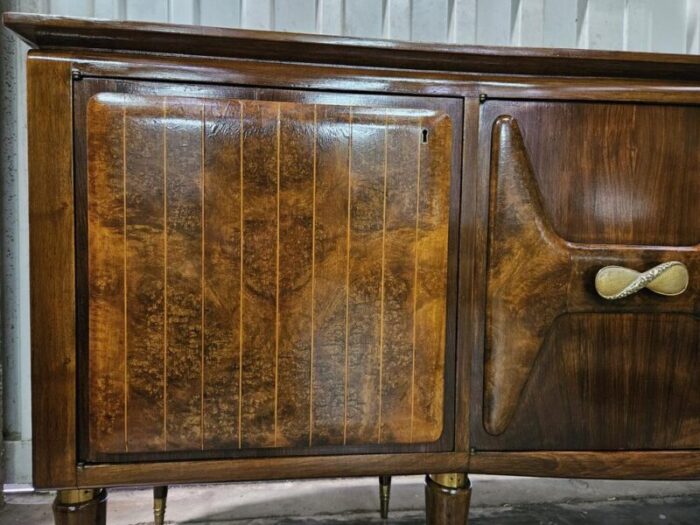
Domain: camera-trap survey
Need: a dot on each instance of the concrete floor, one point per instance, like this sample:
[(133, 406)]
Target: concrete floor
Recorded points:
[(496, 500)]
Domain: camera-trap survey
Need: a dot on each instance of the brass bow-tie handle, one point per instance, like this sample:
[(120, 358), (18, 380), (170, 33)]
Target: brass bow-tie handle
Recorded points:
[(616, 282)]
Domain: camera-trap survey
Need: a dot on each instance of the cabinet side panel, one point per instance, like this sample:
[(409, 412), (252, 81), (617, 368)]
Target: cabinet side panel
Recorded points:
[(52, 269)]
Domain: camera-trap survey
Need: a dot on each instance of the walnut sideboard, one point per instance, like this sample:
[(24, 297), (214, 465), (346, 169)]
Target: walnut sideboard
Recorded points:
[(259, 256)]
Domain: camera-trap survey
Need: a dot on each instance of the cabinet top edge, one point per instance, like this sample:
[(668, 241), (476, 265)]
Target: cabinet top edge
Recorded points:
[(58, 32)]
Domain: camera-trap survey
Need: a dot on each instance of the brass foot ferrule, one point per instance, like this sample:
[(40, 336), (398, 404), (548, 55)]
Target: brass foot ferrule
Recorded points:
[(451, 481), (160, 496)]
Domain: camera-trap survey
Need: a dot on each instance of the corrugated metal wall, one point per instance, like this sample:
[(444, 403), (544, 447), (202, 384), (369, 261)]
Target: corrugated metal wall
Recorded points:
[(641, 25), (645, 25)]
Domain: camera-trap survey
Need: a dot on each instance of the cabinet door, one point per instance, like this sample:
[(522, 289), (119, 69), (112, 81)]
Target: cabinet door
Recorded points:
[(576, 187), (265, 271)]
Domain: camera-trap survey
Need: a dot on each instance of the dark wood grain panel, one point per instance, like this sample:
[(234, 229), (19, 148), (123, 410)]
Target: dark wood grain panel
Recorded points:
[(330, 262), (601, 182), (222, 273), (430, 285), (535, 277), (260, 273), (399, 279), (107, 237), (269, 292), (365, 245), (146, 271), (184, 258), (296, 231), (605, 381)]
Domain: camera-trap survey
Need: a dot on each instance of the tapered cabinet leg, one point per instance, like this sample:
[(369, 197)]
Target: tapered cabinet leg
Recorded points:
[(447, 498), (160, 498), (80, 507), (384, 495)]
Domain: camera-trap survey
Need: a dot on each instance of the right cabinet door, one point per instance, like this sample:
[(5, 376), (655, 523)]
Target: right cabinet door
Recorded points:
[(576, 187)]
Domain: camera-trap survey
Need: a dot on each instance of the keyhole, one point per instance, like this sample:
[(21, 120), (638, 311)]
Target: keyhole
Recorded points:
[(424, 136)]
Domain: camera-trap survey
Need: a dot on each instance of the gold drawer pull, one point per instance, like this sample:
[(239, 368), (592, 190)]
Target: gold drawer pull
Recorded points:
[(616, 282)]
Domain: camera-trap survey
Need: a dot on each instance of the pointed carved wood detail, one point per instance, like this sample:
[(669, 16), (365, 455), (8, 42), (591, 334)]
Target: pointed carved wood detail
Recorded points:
[(535, 276)]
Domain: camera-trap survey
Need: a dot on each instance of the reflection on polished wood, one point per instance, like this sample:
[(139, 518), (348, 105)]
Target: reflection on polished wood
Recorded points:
[(447, 498), (250, 258), (80, 507), (537, 278)]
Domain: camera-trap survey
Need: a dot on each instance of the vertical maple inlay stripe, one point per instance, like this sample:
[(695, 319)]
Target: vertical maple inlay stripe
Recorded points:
[(347, 283), (201, 281), (126, 302), (165, 274), (240, 289), (277, 274), (381, 311), (415, 280), (313, 284)]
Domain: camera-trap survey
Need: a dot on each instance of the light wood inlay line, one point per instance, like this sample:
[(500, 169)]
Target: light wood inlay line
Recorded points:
[(313, 283), (347, 282), (381, 307), (126, 302), (240, 289), (202, 323), (277, 272), (415, 278), (165, 274)]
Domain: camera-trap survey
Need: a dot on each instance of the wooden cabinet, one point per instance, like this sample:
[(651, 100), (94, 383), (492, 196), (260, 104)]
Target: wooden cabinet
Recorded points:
[(265, 256)]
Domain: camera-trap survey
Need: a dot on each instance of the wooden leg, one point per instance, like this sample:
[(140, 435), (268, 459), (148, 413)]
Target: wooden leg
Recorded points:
[(80, 507), (447, 499), (160, 497), (384, 495)]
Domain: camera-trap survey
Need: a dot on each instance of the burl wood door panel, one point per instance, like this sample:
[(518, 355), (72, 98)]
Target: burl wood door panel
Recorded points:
[(576, 187), (266, 270)]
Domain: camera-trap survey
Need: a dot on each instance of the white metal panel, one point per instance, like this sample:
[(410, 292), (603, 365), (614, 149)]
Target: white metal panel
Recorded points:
[(220, 13), (183, 11), (298, 16), (113, 9), (560, 23), (462, 24), (603, 24), (150, 11), (364, 18), (329, 17), (494, 21), (397, 20), (429, 21), (528, 26), (692, 31), (257, 14), (72, 7), (667, 19)]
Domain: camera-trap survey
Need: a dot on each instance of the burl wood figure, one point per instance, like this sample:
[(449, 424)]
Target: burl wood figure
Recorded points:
[(261, 256)]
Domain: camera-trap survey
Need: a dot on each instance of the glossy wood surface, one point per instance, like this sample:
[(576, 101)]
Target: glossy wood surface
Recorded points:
[(538, 280), (191, 320), (52, 273), (49, 32), (446, 506)]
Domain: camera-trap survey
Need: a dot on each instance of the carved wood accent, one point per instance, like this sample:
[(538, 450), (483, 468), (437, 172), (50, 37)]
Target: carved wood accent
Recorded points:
[(265, 274), (535, 277)]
